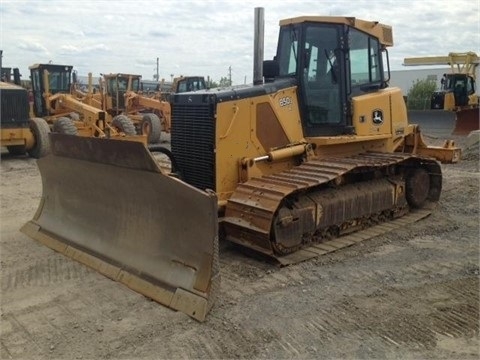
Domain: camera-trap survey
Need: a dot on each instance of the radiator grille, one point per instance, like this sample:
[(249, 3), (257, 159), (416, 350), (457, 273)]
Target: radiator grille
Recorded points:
[(14, 107), (193, 142)]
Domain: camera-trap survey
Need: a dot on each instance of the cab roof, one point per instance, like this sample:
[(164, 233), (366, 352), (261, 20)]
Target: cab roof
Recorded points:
[(381, 31)]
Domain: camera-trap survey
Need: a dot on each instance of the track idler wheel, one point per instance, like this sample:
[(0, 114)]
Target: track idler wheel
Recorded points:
[(417, 185)]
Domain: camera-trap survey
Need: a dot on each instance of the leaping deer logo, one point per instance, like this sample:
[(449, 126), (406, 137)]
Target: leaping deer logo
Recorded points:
[(377, 117)]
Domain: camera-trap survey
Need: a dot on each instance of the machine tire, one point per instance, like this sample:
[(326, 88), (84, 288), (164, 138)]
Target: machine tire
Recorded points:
[(417, 185), (40, 130), (152, 127), (65, 126), (16, 149), (124, 124)]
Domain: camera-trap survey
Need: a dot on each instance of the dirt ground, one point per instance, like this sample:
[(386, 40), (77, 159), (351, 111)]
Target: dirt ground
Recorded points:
[(409, 294)]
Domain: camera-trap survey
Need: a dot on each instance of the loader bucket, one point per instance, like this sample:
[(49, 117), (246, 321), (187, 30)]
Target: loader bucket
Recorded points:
[(107, 204), (466, 121)]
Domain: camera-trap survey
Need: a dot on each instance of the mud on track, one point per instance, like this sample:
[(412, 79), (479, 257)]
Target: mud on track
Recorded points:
[(411, 294)]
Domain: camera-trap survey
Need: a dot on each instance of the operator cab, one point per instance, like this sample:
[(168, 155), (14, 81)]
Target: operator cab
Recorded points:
[(331, 62), (59, 81), (462, 87), (190, 83), (117, 85)]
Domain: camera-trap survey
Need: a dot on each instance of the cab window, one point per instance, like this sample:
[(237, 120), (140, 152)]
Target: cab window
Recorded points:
[(287, 54), (365, 59)]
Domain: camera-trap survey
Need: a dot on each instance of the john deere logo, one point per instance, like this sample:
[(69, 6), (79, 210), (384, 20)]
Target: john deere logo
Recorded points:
[(377, 117)]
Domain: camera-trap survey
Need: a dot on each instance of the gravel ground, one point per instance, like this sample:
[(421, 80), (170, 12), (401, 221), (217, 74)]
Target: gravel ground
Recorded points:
[(408, 294)]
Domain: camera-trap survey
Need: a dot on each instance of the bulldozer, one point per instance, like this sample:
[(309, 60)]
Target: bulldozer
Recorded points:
[(66, 114), (458, 91), (316, 155)]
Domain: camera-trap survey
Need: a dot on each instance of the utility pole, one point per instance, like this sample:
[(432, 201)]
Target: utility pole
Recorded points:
[(230, 75), (156, 76), (1, 66)]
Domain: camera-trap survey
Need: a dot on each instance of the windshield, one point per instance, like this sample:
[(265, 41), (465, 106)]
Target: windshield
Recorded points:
[(115, 84), (59, 81), (135, 84), (190, 84)]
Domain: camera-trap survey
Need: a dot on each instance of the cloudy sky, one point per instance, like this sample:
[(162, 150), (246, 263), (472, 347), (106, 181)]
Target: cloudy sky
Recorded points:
[(203, 37)]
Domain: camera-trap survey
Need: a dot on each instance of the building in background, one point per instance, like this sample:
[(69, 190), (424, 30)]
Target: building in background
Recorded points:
[(404, 79)]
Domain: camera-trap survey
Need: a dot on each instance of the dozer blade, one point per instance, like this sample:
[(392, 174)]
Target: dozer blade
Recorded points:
[(108, 205), (433, 122), (466, 121)]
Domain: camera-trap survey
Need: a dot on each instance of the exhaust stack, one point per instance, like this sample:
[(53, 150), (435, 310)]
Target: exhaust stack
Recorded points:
[(258, 44)]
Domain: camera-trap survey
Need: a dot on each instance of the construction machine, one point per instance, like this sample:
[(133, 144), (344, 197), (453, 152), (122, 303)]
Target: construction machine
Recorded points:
[(19, 132), (317, 155), (66, 114), (122, 96), (458, 91), (183, 84)]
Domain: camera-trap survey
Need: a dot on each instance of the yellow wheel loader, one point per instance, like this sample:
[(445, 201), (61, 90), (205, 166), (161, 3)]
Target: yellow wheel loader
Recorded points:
[(316, 156)]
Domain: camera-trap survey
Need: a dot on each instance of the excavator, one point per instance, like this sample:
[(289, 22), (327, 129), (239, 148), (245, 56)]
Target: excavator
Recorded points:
[(458, 91), (316, 155)]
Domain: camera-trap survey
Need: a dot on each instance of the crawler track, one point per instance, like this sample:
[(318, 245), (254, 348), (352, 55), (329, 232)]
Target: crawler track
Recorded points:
[(254, 210)]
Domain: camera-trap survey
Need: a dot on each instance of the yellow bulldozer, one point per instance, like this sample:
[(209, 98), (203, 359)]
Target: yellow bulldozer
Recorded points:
[(458, 91), (66, 114), (317, 155)]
